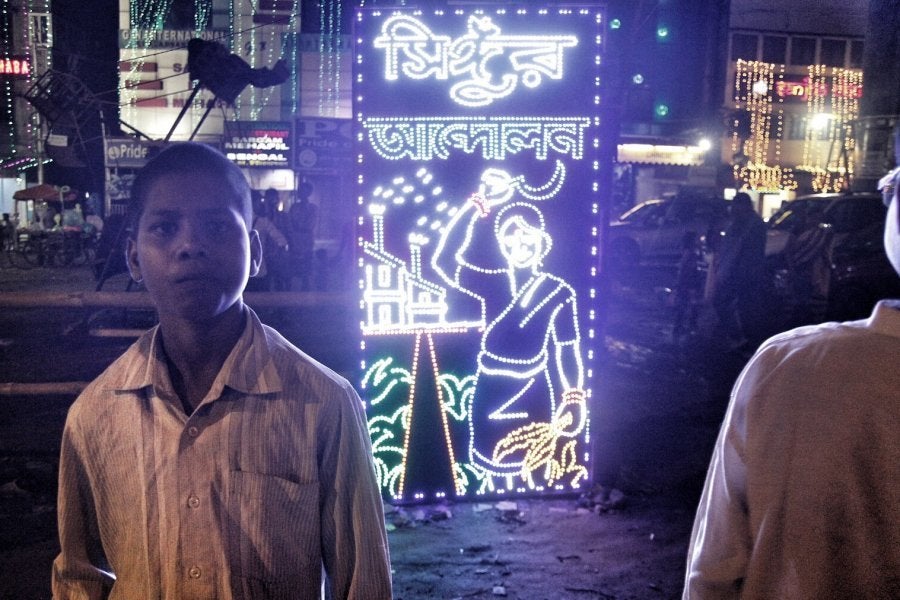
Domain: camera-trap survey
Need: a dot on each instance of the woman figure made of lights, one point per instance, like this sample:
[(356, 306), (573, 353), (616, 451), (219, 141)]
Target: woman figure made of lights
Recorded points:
[(528, 405)]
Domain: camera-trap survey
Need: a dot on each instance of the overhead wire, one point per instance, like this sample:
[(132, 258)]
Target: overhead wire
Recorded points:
[(182, 47), (134, 101)]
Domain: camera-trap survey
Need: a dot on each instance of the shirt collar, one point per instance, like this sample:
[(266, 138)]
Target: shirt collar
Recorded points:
[(885, 318), (248, 368)]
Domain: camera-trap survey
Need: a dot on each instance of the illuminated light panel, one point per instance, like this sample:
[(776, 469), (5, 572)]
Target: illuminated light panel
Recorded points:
[(477, 190)]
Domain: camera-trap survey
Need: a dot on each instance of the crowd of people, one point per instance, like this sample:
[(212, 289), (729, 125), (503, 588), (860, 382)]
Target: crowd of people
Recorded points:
[(737, 285), (725, 272), (73, 221), (290, 261)]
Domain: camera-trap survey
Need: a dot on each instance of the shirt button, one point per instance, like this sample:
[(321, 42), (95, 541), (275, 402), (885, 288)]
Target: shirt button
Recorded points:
[(193, 501), (193, 431), (194, 572)]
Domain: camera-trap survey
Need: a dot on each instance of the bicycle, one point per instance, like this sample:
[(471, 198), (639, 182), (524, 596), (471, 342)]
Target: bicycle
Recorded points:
[(53, 248)]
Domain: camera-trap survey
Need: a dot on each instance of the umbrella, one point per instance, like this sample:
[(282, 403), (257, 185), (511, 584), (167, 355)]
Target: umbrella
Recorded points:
[(38, 192)]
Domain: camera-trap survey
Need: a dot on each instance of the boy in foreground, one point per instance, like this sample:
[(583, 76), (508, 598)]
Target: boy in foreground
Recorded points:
[(213, 459)]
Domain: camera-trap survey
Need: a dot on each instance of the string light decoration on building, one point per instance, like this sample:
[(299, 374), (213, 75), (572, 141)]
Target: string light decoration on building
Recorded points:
[(832, 99), (330, 26), (477, 190), (266, 32), (8, 148), (28, 32), (761, 169)]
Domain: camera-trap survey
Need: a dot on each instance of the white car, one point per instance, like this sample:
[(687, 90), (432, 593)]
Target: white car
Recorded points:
[(652, 232)]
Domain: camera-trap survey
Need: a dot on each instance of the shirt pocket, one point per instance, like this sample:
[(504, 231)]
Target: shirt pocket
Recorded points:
[(273, 528)]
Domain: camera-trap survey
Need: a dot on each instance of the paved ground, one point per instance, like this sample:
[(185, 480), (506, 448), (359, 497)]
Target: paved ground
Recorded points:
[(656, 418)]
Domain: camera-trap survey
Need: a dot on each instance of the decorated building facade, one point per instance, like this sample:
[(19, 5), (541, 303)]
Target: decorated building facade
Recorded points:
[(26, 40), (793, 89)]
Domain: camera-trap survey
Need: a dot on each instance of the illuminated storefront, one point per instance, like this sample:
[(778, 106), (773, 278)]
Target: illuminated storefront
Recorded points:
[(258, 144), (27, 30), (477, 193)]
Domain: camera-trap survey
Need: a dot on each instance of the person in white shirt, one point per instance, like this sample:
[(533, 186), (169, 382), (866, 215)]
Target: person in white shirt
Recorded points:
[(802, 497)]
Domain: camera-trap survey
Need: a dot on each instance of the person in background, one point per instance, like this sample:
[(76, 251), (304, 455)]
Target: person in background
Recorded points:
[(213, 459), (44, 215), (303, 217), (802, 497), (808, 258), (274, 245), (740, 273), (93, 222), (72, 216), (7, 233), (688, 286), (280, 264)]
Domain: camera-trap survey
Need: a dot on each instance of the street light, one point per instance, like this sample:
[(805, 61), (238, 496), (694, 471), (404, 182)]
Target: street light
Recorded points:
[(820, 121), (761, 87)]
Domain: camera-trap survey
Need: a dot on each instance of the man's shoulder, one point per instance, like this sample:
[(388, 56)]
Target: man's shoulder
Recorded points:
[(847, 342), (814, 335)]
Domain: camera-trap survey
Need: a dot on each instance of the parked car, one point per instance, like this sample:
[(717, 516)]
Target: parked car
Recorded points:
[(652, 231), (846, 213), (859, 273)]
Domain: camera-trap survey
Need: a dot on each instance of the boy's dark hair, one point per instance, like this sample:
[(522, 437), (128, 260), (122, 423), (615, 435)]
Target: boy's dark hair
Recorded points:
[(187, 158)]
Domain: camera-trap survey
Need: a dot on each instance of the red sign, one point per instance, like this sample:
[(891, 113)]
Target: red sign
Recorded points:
[(17, 66), (803, 88)]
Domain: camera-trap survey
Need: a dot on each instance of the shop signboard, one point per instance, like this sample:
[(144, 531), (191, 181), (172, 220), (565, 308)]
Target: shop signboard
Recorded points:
[(166, 38), (476, 151), (127, 153), (15, 67), (258, 144), (323, 145)]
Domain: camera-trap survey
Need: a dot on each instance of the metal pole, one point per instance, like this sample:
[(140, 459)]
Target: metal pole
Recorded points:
[(209, 107), (184, 109), (62, 388), (141, 300)]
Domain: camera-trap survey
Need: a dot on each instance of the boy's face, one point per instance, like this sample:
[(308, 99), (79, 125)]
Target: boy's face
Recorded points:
[(192, 248)]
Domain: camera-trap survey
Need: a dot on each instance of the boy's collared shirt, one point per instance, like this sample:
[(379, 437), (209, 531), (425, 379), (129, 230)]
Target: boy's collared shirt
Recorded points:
[(269, 479)]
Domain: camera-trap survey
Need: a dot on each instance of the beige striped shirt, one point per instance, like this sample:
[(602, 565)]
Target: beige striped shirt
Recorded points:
[(267, 482)]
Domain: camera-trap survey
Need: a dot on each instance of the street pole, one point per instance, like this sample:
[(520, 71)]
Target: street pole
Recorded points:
[(880, 103)]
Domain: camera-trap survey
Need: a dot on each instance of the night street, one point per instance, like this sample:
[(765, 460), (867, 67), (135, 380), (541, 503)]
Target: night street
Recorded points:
[(540, 240), (655, 420)]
